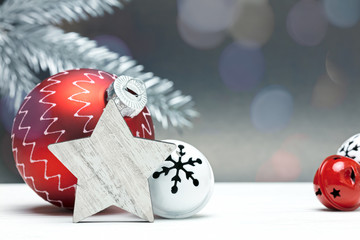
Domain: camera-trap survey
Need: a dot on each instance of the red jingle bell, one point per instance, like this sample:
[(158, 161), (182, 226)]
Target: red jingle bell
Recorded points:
[(337, 183)]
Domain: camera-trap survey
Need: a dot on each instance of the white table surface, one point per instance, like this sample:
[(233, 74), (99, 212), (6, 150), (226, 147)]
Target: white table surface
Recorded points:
[(235, 211)]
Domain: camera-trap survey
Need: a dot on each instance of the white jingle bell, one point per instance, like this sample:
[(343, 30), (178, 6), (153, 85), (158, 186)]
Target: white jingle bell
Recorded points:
[(351, 148), (183, 184)]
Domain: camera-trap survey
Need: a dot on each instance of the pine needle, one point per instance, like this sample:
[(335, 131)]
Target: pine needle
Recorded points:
[(29, 44)]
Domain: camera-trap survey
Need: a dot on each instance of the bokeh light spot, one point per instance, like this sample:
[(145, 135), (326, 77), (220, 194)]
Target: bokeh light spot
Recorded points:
[(198, 39), (307, 23), (254, 23), (342, 13), (334, 71), (328, 94), (282, 166), (207, 15), (114, 44), (271, 109), (241, 68)]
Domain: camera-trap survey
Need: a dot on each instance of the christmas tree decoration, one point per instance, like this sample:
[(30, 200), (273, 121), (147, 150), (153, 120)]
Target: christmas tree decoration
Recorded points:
[(183, 184), (65, 107), (31, 42), (351, 148), (337, 183), (112, 167)]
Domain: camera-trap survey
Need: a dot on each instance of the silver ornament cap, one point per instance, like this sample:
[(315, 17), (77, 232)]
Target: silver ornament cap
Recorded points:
[(129, 95)]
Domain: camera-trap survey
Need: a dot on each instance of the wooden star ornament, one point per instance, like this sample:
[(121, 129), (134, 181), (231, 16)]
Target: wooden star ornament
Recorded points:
[(112, 167)]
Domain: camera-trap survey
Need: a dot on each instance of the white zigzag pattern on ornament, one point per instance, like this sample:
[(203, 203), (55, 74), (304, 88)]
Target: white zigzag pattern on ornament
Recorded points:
[(71, 98), (46, 132), (148, 128), (85, 91), (15, 150)]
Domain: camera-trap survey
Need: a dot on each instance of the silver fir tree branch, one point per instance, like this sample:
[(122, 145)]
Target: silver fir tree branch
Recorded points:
[(29, 43)]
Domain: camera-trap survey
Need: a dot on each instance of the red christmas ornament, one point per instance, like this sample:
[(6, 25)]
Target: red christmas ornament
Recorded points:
[(63, 107), (337, 183)]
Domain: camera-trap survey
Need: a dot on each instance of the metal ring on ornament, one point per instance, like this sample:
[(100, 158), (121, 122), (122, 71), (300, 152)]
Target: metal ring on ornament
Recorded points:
[(129, 95)]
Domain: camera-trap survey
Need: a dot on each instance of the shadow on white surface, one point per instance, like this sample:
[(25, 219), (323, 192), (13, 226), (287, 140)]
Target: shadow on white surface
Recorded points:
[(51, 211), (335, 211), (195, 217), (47, 210), (111, 214)]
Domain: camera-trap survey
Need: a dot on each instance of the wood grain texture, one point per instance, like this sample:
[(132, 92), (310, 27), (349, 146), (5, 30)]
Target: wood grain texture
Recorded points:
[(112, 167)]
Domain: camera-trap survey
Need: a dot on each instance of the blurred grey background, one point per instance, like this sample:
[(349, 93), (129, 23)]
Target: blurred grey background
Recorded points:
[(276, 82)]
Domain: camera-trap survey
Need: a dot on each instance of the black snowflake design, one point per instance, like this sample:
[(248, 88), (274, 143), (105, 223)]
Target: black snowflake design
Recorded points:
[(346, 149), (179, 166)]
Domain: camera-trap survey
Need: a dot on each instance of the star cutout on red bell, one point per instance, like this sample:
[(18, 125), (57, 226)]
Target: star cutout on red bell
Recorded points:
[(337, 183)]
